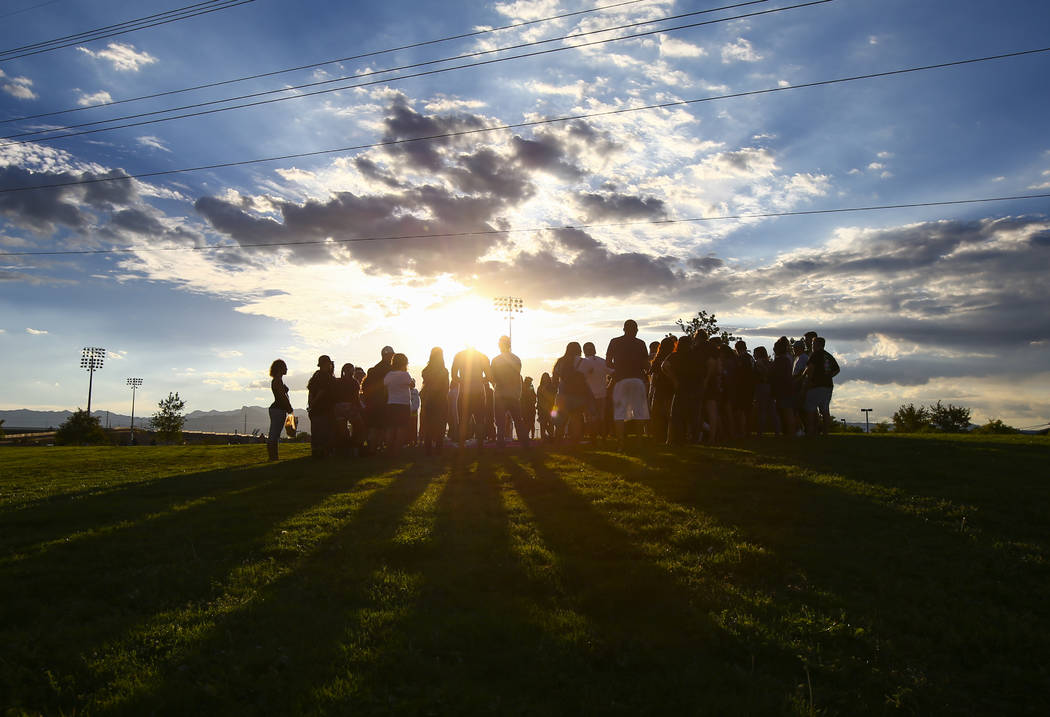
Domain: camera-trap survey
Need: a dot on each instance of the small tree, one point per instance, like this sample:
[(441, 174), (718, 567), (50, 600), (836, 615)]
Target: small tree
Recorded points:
[(881, 427), (950, 418), (911, 419), (707, 323), (995, 427), (2, 434), (168, 420), (80, 429)]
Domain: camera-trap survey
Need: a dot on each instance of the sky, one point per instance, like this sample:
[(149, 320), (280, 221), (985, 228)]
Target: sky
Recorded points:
[(593, 207)]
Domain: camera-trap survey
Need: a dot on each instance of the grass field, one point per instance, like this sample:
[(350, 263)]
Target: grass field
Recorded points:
[(857, 575)]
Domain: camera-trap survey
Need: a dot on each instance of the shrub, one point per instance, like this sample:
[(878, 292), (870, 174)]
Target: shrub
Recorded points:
[(80, 429)]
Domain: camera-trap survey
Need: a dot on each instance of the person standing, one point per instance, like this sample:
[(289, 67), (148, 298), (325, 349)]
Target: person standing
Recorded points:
[(820, 370), (321, 407), (375, 395), (434, 400), (528, 406), (399, 385), (471, 369), (628, 360), (573, 394), (279, 409), (348, 410), (545, 398), (506, 393), (596, 372)]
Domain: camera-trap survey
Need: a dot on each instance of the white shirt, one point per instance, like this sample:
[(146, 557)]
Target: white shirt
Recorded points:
[(594, 369), (399, 387)]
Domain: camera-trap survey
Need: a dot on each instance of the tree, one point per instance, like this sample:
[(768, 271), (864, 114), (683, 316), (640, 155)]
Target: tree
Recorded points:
[(911, 419), (881, 427), (168, 420), (995, 427), (950, 418), (80, 429), (707, 323), (2, 434)]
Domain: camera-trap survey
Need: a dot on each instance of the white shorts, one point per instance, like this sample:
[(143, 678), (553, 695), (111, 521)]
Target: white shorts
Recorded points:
[(629, 400)]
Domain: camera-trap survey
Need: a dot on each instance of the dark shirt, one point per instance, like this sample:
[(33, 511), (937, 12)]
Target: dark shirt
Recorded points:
[(568, 377), (684, 371), (321, 392), (435, 383), (374, 385), (347, 390), (780, 378), (820, 368), (628, 357)]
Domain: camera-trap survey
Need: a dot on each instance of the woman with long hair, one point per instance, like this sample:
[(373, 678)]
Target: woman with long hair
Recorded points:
[(434, 402), (571, 386), (280, 407), (661, 390), (545, 398)]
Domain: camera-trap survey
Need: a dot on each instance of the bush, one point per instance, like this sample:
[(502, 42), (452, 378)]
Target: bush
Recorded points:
[(168, 420), (80, 429), (995, 427)]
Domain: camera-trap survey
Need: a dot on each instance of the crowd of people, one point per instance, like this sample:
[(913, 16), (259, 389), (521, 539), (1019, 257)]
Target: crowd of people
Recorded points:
[(684, 389)]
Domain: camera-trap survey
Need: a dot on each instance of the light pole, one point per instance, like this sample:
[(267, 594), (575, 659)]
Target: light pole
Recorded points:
[(134, 383), (91, 359), (508, 306), (866, 411)]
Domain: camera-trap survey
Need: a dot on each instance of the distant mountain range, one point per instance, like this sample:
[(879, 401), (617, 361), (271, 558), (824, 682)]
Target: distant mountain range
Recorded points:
[(241, 420)]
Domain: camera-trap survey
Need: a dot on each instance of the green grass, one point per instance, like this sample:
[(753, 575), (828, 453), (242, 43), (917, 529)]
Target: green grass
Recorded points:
[(857, 575)]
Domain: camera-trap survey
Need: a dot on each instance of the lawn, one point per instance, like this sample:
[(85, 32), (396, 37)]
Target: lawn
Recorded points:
[(851, 576)]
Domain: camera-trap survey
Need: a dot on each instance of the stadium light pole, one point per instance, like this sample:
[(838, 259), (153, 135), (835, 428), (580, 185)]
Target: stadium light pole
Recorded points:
[(134, 383), (91, 360), (508, 306), (866, 411)]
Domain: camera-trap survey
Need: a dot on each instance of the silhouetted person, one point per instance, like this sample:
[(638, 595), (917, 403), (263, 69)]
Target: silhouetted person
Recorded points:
[(596, 372), (506, 393), (279, 409), (820, 370), (321, 407), (545, 398), (683, 369), (628, 359), (433, 411), (782, 386), (528, 406), (573, 393), (471, 368), (348, 409), (374, 390), (744, 395), (661, 390), (399, 387), (765, 409)]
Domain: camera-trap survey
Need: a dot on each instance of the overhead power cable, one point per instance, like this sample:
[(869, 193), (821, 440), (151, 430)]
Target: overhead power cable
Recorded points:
[(120, 28), (355, 85), (490, 232), (27, 9), (314, 65), (520, 125)]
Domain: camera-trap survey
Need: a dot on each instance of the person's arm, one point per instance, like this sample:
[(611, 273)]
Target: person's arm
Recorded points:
[(610, 362), (834, 367)]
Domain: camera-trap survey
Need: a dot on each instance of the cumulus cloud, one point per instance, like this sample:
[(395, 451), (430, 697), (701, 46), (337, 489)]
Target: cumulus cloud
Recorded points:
[(123, 57), (739, 51), (95, 98), (36, 332), (18, 87), (673, 47)]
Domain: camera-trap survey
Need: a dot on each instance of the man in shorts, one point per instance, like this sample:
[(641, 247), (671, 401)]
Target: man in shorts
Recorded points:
[(628, 360), (820, 370)]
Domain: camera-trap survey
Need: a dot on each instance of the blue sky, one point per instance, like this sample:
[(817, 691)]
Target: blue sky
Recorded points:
[(920, 304)]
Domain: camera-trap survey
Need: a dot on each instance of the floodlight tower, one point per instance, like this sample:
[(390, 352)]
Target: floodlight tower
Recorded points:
[(91, 359), (134, 383), (508, 306), (866, 411)]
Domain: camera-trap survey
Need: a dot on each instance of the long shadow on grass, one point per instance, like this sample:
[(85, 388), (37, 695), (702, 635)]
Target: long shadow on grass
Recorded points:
[(891, 610), (62, 605), (266, 656)]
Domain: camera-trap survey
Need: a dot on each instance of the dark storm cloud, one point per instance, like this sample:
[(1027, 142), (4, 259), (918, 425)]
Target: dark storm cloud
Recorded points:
[(404, 123), (577, 266), (621, 207), (705, 264), (44, 210), (546, 153)]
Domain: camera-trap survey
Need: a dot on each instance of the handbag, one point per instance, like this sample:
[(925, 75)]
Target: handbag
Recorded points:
[(291, 423)]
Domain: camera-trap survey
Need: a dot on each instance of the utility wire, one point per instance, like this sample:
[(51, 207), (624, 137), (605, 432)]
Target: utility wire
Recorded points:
[(139, 25), (27, 9), (311, 66), (490, 232), (478, 53), (520, 125)]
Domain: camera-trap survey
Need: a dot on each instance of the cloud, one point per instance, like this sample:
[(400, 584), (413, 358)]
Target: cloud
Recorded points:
[(96, 98), (153, 142), (18, 87), (125, 58), (673, 47), (36, 332), (231, 353), (739, 51), (613, 206)]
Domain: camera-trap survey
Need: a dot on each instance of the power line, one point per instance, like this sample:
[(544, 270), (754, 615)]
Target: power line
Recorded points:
[(478, 53), (490, 232), (520, 125), (121, 28), (27, 9), (314, 65)]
